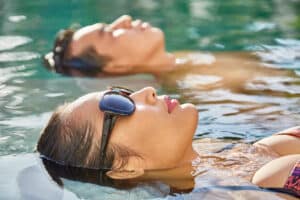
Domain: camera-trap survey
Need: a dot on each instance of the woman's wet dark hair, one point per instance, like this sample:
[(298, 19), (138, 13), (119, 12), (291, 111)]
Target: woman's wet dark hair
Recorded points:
[(89, 62), (94, 176), (70, 145)]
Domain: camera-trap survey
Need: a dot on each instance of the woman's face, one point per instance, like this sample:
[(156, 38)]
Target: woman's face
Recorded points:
[(159, 130), (127, 42)]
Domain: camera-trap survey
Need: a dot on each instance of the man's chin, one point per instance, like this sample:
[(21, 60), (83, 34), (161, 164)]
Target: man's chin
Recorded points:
[(155, 29)]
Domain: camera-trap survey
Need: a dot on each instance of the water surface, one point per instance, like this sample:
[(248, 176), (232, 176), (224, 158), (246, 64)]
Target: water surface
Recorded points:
[(251, 108)]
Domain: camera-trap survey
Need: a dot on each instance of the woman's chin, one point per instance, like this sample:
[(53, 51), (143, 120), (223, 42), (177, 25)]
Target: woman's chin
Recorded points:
[(189, 106), (191, 111)]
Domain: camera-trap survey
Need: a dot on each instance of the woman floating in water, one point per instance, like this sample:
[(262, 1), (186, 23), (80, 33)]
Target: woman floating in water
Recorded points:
[(139, 136)]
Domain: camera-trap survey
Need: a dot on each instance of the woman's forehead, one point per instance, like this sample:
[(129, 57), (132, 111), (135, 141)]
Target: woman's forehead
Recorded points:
[(85, 106), (85, 110), (94, 96)]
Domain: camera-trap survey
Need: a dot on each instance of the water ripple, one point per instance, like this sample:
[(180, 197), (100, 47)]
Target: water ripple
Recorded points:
[(17, 18), (285, 54), (278, 85), (193, 81), (260, 26), (11, 42), (18, 56), (30, 121)]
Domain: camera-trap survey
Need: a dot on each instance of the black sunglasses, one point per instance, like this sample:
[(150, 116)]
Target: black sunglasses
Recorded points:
[(115, 102)]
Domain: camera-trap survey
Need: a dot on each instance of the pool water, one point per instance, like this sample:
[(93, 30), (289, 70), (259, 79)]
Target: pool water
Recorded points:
[(262, 99)]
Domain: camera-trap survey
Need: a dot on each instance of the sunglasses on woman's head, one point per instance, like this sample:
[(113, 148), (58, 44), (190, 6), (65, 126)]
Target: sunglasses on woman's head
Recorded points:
[(115, 102)]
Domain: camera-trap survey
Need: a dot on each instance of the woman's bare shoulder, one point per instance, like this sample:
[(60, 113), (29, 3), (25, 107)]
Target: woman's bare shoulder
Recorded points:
[(283, 143)]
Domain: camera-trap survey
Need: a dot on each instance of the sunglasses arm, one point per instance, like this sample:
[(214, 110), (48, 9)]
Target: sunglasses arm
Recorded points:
[(109, 121)]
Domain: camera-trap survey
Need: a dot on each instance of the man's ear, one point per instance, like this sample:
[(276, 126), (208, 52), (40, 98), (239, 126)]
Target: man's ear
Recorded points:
[(114, 68), (125, 174)]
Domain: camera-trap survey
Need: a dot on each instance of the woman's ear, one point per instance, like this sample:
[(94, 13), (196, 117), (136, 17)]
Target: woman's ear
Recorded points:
[(114, 68), (125, 174)]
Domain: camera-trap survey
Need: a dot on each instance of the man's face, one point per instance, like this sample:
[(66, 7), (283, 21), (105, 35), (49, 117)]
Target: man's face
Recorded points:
[(128, 43)]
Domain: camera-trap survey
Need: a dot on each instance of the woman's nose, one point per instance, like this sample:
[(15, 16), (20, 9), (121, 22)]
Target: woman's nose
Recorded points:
[(147, 95), (122, 22)]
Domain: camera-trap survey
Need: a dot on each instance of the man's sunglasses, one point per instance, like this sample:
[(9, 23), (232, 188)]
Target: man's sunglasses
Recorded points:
[(115, 102)]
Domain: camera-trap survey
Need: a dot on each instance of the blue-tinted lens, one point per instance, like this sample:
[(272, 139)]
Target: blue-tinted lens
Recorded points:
[(117, 104)]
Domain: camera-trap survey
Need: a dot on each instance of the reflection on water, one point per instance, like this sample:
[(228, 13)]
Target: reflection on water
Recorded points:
[(235, 159), (238, 96), (243, 96), (11, 42), (214, 184), (284, 55), (17, 56), (219, 185)]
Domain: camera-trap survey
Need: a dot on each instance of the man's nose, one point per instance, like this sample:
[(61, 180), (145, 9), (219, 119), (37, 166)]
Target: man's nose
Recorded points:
[(122, 22)]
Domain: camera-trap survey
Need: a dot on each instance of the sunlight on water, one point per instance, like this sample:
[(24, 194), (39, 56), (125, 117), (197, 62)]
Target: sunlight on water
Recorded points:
[(17, 56), (192, 81), (11, 42), (286, 54), (17, 18), (252, 93)]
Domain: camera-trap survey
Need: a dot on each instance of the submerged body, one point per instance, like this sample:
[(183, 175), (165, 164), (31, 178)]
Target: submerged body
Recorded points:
[(256, 164), (234, 71), (17, 170), (237, 159)]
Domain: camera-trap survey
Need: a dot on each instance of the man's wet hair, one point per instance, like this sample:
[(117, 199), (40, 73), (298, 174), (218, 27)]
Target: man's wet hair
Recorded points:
[(88, 62)]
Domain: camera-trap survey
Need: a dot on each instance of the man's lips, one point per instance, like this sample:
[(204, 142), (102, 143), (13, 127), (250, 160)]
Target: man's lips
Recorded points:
[(171, 103)]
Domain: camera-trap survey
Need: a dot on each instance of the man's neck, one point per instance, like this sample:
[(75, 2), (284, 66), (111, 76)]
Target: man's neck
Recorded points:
[(158, 62)]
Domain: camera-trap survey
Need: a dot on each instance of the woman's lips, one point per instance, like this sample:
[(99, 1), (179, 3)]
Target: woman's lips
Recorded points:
[(171, 103)]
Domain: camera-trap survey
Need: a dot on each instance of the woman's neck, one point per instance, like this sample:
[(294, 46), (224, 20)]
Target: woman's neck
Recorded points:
[(179, 177)]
